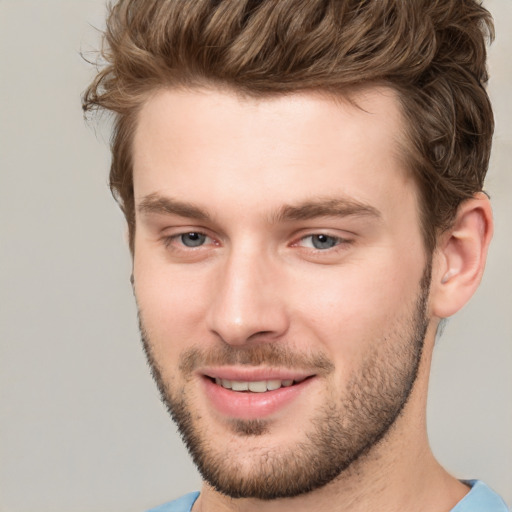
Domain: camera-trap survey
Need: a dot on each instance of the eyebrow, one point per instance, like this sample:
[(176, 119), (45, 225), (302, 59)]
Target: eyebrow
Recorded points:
[(307, 210), (326, 207), (155, 203)]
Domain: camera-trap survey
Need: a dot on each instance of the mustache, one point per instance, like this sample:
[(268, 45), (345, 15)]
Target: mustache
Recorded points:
[(272, 355)]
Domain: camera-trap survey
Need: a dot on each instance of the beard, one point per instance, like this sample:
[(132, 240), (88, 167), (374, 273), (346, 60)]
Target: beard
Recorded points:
[(344, 429)]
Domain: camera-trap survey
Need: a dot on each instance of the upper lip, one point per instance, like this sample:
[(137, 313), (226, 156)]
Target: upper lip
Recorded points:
[(254, 374)]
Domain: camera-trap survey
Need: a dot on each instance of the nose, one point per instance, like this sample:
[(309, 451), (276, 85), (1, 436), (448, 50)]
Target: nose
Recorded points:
[(248, 304)]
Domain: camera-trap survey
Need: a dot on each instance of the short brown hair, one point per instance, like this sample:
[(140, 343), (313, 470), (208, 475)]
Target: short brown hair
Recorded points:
[(432, 52)]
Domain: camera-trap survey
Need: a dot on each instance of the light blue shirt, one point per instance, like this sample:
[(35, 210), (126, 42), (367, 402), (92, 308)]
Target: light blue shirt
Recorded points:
[(479, 499), (183, 504)]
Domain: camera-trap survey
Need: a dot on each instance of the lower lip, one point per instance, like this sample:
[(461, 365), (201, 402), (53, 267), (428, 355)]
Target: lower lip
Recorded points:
[(250, 406)]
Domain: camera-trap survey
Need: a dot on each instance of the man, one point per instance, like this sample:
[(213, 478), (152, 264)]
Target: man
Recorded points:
[(302, 182)]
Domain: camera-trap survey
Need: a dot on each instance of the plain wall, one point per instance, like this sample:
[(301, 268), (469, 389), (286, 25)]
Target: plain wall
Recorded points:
[(81, 425)]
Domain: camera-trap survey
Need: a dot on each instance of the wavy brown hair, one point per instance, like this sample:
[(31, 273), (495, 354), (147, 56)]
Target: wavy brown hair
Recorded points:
[(432, 52)]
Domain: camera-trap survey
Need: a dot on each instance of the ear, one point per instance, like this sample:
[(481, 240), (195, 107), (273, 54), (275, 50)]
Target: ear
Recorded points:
[(459, 259)]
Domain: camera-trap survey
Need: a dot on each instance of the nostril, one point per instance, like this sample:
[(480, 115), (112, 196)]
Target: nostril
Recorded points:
[(259, 334)]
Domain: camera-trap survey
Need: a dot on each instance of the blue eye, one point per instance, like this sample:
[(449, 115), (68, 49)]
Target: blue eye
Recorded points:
[(321, 241), (193, 239)]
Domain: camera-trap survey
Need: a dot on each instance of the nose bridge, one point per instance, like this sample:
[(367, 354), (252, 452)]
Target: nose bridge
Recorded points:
[(247, 305)]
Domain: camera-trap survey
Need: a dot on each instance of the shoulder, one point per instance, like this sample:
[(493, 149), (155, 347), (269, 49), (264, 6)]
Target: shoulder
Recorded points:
[(480, 498), (183, 504)]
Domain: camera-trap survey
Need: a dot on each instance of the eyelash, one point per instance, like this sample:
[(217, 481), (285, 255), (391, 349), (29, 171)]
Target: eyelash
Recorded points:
[(339, 243), (168, 240)]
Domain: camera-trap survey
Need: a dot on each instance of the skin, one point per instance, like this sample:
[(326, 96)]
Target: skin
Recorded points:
[(257, 280)]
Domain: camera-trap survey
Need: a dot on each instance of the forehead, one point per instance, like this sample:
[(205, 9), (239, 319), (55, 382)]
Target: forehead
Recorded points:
[(221, 150)]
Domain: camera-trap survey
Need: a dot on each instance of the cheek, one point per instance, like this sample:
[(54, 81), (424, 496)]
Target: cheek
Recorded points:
[(353, 308), (171, 304)]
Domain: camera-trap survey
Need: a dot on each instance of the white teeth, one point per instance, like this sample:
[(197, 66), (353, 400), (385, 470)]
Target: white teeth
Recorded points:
[(259, 386), (273, 384), (239, 386)]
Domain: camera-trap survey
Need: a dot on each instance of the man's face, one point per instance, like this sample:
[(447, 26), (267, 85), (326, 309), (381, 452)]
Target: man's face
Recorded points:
[(281, 280)]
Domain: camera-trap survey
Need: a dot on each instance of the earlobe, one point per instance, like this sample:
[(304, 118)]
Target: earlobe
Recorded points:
[(460, 257)]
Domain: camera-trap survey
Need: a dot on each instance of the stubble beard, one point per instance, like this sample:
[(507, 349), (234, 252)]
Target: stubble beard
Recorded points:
[(342, 432)]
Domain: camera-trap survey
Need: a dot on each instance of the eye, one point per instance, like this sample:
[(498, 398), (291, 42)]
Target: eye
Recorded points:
[(192, 239), (189, 246), (184, 241), (321, 241)]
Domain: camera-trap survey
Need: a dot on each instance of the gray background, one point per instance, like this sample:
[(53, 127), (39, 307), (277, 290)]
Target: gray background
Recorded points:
[(81, 425)]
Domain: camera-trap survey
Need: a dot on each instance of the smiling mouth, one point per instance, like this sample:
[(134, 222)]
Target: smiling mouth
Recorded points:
[(259, 386)]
